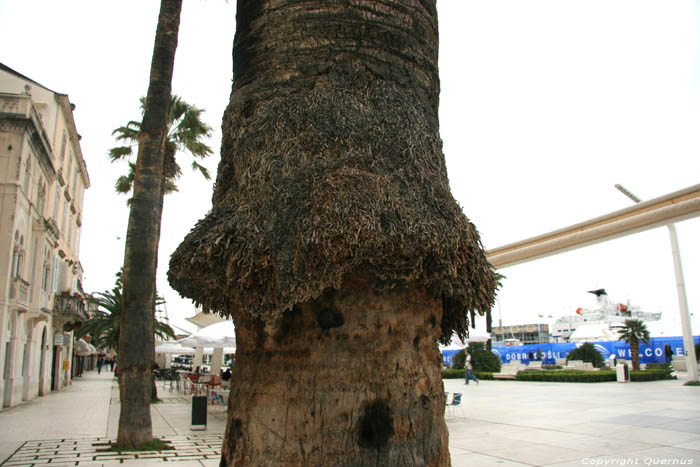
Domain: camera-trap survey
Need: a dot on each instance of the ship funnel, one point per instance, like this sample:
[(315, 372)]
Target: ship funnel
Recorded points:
[(601, 296)]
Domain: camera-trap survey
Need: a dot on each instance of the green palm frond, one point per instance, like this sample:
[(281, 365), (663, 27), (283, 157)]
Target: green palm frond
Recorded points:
[(104, 322), (186, 131), (635, 330), (130, 132), (120, 152), (203, 170), (170, 187), (123, 184)]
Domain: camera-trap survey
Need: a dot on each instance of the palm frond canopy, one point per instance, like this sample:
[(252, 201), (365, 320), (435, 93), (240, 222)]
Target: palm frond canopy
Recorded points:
[(635, 330), (329, 166), (185, 132), (105, 319)]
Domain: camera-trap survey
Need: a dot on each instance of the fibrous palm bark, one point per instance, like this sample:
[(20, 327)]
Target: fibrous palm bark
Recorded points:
[(136, 342), (334, 241)]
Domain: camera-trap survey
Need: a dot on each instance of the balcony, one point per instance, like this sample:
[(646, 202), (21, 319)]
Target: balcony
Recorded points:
[(19, 292), (69, 309)]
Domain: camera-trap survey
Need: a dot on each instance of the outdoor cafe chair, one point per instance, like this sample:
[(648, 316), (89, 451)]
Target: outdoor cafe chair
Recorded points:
[(455, 404), (200, 387)]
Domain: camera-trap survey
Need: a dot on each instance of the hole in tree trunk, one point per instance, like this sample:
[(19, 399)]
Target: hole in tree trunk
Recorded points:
[(376, 426), (330, 318)]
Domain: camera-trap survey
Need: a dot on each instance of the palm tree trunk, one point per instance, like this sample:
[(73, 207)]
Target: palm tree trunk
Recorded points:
[(634, 348), (352, 378), (342, 381), (334, 241), (136, 341)]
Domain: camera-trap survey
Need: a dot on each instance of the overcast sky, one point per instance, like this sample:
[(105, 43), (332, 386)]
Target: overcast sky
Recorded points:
[(545, 105)]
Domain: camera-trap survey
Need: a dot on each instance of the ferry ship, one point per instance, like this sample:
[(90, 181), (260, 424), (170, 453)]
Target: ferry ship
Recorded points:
[(607, 318)]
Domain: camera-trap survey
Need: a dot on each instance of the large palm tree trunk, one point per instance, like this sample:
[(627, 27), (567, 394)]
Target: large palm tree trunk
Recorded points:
[(342, 381), (334, 241), (136, 341)]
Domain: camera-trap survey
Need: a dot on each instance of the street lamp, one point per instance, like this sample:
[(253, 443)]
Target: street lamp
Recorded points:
[(691, 360)]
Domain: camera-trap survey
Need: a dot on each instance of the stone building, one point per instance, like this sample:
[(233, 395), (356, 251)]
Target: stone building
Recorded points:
[(43, 179)]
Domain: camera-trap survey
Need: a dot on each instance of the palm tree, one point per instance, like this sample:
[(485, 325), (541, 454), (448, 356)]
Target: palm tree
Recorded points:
[(185, 131), (634, 331), (136, 341), (105, 319), (334, 241)]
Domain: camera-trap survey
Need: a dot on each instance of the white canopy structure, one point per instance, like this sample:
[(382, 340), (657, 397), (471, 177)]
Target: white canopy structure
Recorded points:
[(221, 336), (475, 335), (216, 335), (82, 348), (593, 332), (174, 347)]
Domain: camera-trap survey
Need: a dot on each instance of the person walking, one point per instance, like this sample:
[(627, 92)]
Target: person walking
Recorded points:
[(100, 362), (668, 351), (468, 366)]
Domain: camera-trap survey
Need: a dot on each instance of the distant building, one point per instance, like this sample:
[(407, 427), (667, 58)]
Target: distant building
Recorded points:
[(43, 179), (521, 334)]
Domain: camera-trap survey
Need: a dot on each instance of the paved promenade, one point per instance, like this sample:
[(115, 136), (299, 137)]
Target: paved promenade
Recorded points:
[(502, 423)]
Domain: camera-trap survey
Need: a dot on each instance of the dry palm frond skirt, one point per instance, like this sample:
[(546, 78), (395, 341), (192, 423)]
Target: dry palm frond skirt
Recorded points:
[(345, 174)]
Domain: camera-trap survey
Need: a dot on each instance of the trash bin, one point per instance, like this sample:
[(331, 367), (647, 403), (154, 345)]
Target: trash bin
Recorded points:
[(199, 412), (623, 373)]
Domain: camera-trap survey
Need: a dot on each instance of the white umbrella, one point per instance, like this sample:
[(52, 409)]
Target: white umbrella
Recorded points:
[(175, 348), (216, 335)]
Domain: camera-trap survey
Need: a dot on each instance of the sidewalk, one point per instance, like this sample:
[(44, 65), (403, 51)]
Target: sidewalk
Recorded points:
[(503, 423)]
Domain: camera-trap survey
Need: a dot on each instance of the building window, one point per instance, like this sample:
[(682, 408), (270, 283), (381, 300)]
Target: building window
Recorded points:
[(27, 175), (17, 256), (55, 203), (41, 197), (63, 147), (56, 273), (63, 218), (75, 182), (46, 272), (70, 230), (77, 240)]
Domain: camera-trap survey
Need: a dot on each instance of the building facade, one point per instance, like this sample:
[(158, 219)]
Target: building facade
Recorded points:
[(536, 333), (43, 178)]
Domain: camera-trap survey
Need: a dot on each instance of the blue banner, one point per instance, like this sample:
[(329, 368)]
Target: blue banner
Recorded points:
[(651, 353)]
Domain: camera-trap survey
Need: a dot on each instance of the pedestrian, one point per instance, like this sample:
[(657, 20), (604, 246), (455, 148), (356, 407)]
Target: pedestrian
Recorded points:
[(668, 351), (111, 364), (468, 366), (538, 355), (100, 362), (530, 357)]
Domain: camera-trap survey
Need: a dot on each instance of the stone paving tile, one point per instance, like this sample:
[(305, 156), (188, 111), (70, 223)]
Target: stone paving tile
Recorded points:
[(87, 452)]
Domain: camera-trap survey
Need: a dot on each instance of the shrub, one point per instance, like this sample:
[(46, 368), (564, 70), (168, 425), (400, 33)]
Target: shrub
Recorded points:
[(453, 373), (460, 374), (482, 359), (567, 376), (587, 353), (658, 366), (579, 376), (458, 360), (551, 367), (651, 375), (697, 351)]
